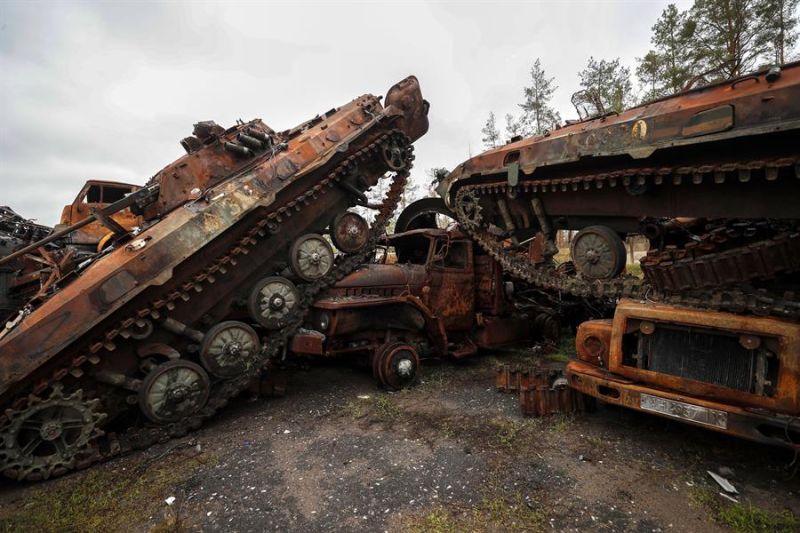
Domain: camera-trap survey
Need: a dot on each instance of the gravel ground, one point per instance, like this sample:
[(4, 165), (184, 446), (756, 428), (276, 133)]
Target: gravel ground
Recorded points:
[(451, 454)]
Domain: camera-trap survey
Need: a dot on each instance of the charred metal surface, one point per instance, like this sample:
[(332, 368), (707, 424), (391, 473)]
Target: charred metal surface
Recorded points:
[(709, 176), (732, 373), (153, 320), (440, 296), (542, 390)]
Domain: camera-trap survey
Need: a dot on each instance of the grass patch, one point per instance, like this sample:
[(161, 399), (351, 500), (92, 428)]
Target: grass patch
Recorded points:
[(101, 499), (355, 409), (565, 349), (492, 514), (743, 517), (380, 407), (560, 422), (386, 408), (635, 269), (506, 431)]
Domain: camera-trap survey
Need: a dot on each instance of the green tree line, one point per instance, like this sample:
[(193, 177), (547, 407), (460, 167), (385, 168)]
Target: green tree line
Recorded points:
[(712, 40)]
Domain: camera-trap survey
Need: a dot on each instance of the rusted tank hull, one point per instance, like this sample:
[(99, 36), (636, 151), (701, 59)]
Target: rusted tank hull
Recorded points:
[(725, 156), (159, 312), (731, 373)]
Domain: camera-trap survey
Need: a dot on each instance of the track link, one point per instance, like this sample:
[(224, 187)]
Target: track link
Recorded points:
[(707, 281)]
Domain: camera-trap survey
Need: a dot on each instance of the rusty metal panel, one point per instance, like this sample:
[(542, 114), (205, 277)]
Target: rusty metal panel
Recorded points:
[(775, 339), (543, 390), (759, 425)]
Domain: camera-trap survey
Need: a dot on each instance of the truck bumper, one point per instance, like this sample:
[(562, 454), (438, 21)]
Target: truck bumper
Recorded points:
[(757, 425)]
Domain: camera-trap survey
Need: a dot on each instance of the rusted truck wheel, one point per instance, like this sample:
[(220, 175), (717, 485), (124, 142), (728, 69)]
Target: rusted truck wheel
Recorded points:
[(396, 365), (311, 257), (424, 213)]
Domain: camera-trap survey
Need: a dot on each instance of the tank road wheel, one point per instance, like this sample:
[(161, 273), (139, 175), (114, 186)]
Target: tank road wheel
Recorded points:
[(598, 253), (397, 365), (174, 390), (394, 152), (273, 301), (311, 257), (49, 437), (349, 232), (229, 349)]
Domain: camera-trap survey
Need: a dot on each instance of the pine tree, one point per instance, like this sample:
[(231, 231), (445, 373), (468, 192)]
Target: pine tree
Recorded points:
[(538, 116), (491, 137), (671, 62), (779, 18), (514, 127), (651, 75), (729, 37), (609, 82)]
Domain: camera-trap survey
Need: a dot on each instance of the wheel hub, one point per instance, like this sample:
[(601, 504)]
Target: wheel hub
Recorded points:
[(51, 430), (276, 302), (178, 394), (405, 368), (233, 348), (592, 256)]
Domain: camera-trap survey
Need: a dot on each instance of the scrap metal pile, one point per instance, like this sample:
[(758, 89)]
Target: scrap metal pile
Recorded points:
[(148, 308), (145, 333), (711, 177)]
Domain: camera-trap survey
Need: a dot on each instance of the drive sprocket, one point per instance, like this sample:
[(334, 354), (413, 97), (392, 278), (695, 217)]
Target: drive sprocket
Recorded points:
[(49, 436)]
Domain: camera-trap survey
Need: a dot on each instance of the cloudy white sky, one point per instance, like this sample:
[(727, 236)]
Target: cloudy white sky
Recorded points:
[(107, 89)]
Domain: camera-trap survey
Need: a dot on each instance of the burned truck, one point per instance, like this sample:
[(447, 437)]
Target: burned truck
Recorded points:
[(727, 372), (439, 296), (135, 343), (711, 177)]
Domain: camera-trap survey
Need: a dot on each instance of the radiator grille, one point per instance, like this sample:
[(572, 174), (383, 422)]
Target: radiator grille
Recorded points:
[(699, 354)]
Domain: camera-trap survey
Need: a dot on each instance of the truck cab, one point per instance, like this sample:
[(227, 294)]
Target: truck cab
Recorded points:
[(429, 292)]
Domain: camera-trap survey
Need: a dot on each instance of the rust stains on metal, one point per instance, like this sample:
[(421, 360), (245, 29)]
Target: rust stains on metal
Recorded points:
[(732, 373), (543, 390)]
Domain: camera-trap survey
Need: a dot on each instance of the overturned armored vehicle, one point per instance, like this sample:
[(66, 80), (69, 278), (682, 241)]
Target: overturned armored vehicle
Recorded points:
[(711, 177), (135, 343)]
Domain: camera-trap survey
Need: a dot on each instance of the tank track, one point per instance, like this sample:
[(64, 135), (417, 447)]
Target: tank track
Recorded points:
[(701, 281), (114, 445)]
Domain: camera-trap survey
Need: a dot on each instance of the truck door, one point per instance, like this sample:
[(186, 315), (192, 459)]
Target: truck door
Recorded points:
[(96, 195), (452, 283)]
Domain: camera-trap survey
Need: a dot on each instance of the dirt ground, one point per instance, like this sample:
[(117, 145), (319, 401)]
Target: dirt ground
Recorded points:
[(451, 454)]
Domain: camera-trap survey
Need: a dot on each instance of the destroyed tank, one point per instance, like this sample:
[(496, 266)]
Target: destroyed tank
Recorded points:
[(145, 339), (710, 334), (709, 176)]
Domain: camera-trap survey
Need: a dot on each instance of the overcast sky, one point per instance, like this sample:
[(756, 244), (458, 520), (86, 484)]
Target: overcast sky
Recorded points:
[(106, 90)]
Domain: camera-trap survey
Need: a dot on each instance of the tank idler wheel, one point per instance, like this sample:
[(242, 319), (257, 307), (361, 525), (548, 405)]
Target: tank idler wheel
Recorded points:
[(598, 253), (173, 391), (311, 257), (396, 365), (394, 154), (273, 301), (349, 232), (230, 348)]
